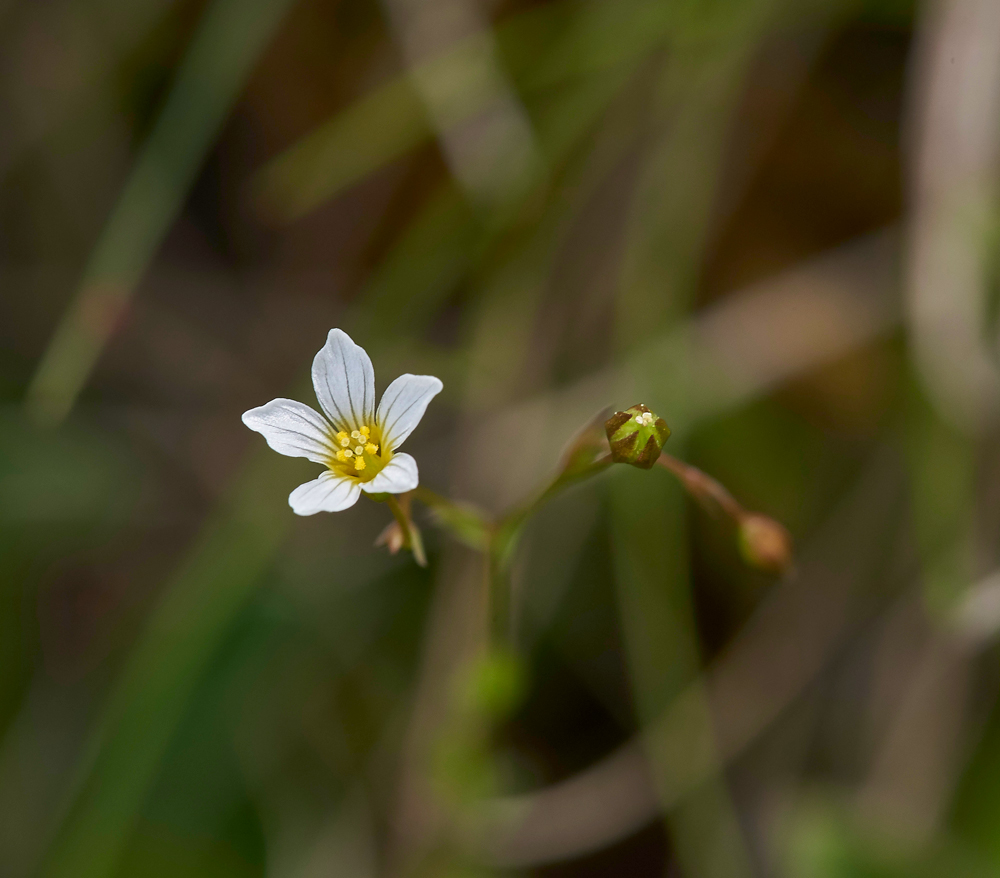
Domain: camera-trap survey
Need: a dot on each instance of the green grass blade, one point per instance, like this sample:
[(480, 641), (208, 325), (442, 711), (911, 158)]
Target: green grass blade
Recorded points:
[(228, 42), (126, 749)]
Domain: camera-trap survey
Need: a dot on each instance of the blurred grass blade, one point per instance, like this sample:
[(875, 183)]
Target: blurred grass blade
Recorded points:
[(443, 242), (422, 268), (229, 39), (483, 131), (391, 120), (380, 127), (661, 646), (125, 751)]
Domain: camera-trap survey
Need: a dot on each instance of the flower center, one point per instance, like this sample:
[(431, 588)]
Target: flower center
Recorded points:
[(359, 454)]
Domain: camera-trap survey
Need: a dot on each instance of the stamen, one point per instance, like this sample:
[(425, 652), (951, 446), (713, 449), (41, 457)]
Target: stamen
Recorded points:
[(355, 434), (364, 431), (371, 448), (345, 442), (348, 452), (341, 436), (359, 463), (342, 455), (359, 449)]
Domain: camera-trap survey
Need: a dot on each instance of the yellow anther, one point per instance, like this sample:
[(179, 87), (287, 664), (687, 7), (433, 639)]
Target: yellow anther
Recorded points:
[(348, 453), (371, 448), (359, 463), (364, 431), (341, 436), (341, 455)]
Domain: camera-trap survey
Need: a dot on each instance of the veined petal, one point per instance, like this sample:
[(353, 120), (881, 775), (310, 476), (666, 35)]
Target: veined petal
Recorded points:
[(344, 380), (403, 405), (292, 428), (398, 476), (329, 493)]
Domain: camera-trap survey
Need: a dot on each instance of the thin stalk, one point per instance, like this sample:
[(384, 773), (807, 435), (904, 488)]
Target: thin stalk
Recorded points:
[(706, 490), (499, 596), (504, 540)]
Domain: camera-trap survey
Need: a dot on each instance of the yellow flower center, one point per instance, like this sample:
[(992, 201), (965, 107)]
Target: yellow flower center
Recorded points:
[(359, 454)]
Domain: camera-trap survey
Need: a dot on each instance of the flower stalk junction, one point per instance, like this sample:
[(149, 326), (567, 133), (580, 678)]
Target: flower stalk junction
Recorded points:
[(358, 444)]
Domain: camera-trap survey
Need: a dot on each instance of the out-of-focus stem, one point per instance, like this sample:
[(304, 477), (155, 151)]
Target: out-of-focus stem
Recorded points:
[(471, 526), (702, 487), (507, 533), (498, 540), (499, 592), (763, 542), (465, 522)]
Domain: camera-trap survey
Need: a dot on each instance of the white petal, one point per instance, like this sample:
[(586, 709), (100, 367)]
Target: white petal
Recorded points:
[(399, 475), (292, 428), (344, 379), (403, 405), (329, 493)]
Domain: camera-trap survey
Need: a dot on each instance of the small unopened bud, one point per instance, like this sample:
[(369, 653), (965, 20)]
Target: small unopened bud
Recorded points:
[(764, 543), (636, 436), (392, 537), (401, 532)]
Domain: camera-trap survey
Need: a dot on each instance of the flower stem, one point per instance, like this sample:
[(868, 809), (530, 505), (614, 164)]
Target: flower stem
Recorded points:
[(763, 542), (702, 487), (505, 537), (498, 587), (465, 522)]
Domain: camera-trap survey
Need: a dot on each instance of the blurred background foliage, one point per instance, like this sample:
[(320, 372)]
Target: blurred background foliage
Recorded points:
[(773, 221)]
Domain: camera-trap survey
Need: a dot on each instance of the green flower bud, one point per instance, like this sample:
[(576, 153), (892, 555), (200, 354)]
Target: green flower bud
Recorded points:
[(636, 436)]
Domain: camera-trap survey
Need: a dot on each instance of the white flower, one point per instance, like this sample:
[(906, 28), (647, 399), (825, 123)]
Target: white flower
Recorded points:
[(356, 443)]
